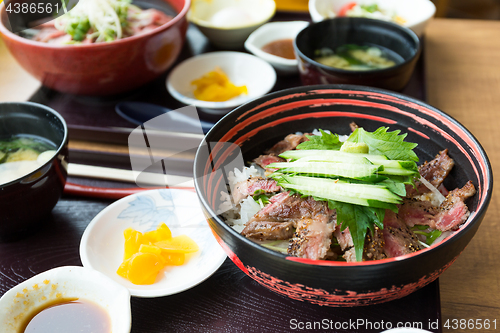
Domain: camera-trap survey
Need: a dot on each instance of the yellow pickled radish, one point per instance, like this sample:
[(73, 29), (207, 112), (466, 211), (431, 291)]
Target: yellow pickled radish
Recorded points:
[(146, 254), (215, 86), (133, 240), (146, 248), (176, 259), (179, 244), (142, 266), (123, 269), (161, 233)]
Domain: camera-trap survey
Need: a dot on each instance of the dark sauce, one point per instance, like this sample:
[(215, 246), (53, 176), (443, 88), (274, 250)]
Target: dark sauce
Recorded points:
[(68, 315), (282, 48)]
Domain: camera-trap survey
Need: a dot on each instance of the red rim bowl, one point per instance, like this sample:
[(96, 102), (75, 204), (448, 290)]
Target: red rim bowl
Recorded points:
[(259, 124), (101, 68)]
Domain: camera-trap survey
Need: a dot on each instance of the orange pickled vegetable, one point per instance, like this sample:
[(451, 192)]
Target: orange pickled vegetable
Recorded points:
[(143, 266), (161, 233), (175, 259), (133, 240), (179, 244), (215, 86), (147, 254)]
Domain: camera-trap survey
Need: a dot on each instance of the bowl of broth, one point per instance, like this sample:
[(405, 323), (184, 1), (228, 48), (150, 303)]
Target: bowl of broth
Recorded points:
[(33, 163), (355, 50)]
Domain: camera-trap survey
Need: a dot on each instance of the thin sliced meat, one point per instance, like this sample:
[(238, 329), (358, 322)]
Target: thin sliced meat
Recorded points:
[(398, 237), (449, 215), (252, 185), (454, 211), (312, 239), (265, 230), (344, 238), (434, 171), (374, 245), (416, 212), (264, 160), (290, 142)]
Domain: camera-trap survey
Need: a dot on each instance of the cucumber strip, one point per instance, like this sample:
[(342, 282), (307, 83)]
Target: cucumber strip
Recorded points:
[(391, 167), (348, 170), (339, 191)]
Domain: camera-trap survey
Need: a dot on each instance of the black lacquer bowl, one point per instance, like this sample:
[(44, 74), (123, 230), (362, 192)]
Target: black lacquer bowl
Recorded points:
[(336, 32), (26, 201), (259, 124)]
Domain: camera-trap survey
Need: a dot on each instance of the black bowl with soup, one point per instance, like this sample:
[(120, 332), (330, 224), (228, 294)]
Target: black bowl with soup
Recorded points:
[(355, 50), (33, 163)]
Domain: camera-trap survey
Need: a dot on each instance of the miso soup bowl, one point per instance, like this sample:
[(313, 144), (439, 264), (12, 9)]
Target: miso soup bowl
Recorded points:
[(247, 131), (336, 32), (28, 200)]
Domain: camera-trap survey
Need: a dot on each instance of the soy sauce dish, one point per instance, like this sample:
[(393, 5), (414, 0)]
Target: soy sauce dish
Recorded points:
[(337, 37), (74, 298), (246, 133)]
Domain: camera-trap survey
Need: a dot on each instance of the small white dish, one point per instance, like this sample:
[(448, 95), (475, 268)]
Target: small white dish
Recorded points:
[(417, 13), (102, 243), (62, 283), (241, 68), (227, 23), (271, 32)]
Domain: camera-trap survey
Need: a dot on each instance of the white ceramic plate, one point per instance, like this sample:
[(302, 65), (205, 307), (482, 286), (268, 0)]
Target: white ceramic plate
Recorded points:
[(241, 68), (417, 13), (102, 243)]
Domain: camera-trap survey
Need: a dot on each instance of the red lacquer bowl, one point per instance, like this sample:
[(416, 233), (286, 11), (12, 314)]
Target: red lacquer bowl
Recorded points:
[(101, 68), (257, 125)]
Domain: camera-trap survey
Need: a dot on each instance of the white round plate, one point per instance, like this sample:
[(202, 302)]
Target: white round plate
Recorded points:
[(102, 243), (241, 68)]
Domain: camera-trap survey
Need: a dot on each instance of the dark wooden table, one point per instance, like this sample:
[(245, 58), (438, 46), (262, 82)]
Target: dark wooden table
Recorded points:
[(229, 301)]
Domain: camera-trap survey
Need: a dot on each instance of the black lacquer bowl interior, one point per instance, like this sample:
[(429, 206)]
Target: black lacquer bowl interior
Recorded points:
[(259, 124), (26, 201)]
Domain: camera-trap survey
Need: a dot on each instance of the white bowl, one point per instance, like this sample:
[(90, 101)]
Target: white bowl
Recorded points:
[(60, 283), (242, 69), (270, 32), (417, 13), (102, 243), (227, 23)]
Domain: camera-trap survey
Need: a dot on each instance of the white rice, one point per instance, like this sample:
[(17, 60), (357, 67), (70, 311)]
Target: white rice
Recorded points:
[(238, 213)]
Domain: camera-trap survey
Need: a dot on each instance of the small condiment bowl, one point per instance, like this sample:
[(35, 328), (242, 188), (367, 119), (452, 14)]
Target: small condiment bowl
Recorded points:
[(271, 32), (416, 13), (241, 68), (102, 244), (68, 282), (228, 23)]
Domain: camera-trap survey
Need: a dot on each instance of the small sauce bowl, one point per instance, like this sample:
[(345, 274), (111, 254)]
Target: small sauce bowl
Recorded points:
[(271, 32), (23, 300)]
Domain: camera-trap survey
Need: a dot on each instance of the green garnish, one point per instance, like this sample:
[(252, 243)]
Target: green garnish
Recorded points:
[(359, 186), (430, 236)]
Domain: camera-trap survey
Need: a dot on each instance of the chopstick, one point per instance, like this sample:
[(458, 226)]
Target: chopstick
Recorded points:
[(147, 178), (109, 193)]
